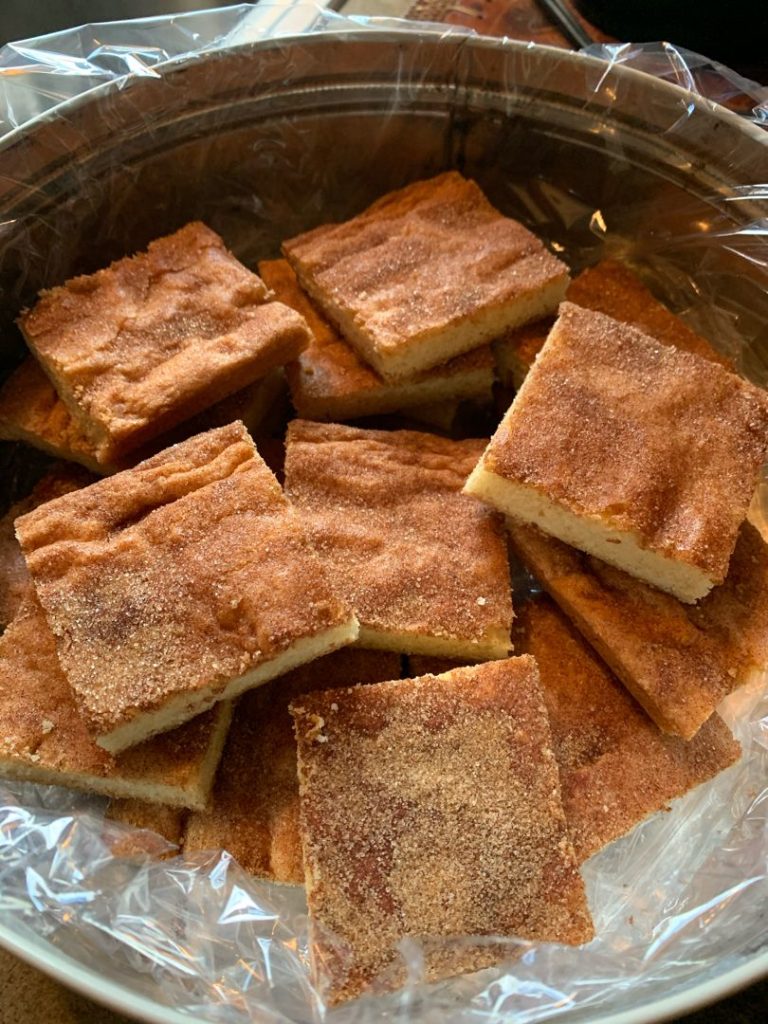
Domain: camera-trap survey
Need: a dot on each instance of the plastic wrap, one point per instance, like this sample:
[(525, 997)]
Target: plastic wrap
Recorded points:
[(680, 901)]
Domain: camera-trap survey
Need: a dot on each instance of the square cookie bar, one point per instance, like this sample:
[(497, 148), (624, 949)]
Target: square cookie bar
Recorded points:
[(430, 808), (329, 381), (31, 411), (616, 766), (153, 339), (677, 660), (426, 273), (44, 738), (611, 288), (424, 566), (642, 455), (253, 812), (179, 583)]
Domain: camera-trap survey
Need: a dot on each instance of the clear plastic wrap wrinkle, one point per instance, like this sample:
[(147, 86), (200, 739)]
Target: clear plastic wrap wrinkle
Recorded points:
[(682, 891), (174, 118)]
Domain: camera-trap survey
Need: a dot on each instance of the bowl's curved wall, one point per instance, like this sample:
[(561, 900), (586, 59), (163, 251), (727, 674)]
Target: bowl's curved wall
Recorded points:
[(266, 140)]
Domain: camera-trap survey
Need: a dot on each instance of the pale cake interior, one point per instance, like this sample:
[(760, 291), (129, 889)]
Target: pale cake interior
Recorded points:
[(638, 453), (431, 348), (185, 706), (45, 739), (597, 537), (425, 274), (494, 644), (329, 381), (424, 568), (196, 581)]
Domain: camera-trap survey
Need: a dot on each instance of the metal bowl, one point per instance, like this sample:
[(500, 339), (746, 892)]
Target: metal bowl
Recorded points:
[(265, 140)]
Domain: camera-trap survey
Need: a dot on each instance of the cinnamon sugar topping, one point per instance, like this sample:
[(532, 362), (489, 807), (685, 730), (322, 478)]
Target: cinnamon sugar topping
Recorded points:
[(153, 339), (254, 807), (426, 273), (678, 660), (408, 551), (616, 766), (165, 583), (635, 436), (433, 810)]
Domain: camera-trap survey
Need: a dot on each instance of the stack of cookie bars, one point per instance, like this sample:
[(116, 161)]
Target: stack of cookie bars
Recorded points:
[(324, 675)]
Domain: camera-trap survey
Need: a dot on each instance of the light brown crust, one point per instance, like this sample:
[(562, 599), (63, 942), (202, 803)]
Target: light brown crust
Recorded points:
[(677, 660), (154, 338), (516, 350), (418, 262), (44, 739), (611, 288), (254, 807), (637, 436), (735, 615), (431, 807), (148, 824), (173, 578), (14, 576), (330, 382), (31, 411), (428, 665), (413, 556), (616, 766)]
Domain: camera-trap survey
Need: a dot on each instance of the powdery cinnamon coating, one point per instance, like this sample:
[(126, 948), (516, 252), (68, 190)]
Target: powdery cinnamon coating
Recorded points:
[(677, 660), (611, 288), (329, 381), (421, 260), (149, 825), (154, 338), (616, 766), (45, 739), (254, 807), (516, 350), (431, 807), (14, 576), (413, 556), (31, 411), (174, 577), (620, 429)]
